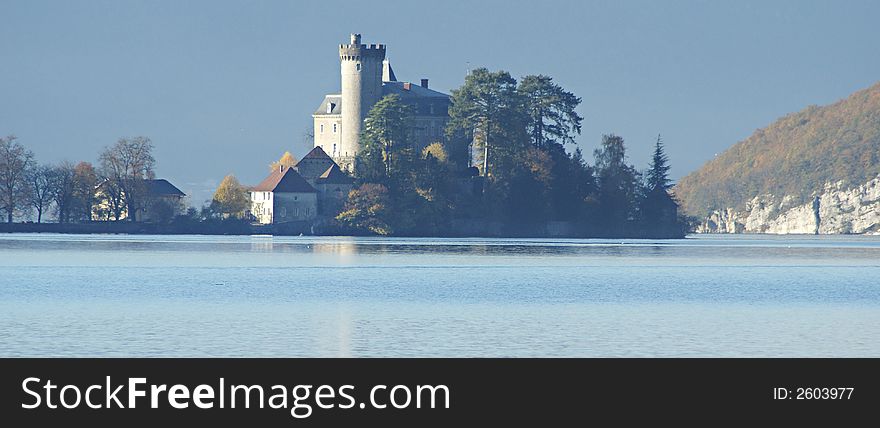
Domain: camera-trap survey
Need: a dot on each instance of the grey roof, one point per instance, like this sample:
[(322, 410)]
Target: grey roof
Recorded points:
[(316, 153), (161, 187), (335, 175), (416, 94), (415, 91), (336, 99)]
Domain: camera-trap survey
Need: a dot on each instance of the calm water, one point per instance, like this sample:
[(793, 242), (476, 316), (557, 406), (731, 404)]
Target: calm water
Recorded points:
[(105, 295)]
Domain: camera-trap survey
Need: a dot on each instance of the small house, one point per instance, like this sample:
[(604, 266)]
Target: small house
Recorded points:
[(284, 196)]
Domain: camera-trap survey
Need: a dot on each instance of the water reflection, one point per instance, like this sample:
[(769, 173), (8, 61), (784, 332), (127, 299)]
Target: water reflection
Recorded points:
[(340, 296)]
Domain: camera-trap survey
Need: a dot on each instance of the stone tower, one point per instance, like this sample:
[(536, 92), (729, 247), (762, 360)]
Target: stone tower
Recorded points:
[(361, 67)]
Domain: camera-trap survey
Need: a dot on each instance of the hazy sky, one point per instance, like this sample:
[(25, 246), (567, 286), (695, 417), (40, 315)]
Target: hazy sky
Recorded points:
[(227, 86)]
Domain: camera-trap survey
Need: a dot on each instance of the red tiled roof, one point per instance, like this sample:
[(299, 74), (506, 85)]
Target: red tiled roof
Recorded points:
[(284, 181)]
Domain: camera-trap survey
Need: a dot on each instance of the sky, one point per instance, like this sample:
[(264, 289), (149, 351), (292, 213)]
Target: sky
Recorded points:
[(225, 87)]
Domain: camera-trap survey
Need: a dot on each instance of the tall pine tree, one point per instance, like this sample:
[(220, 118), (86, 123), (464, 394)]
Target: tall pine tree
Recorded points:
[(658, 173)]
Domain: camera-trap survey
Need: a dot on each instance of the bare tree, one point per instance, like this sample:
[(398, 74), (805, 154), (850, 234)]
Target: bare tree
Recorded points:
[(15, 161), (63, 190), (41, 183), (127, 165)]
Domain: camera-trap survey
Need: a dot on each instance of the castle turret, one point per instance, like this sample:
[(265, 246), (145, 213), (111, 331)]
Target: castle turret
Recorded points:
[(361, 67)]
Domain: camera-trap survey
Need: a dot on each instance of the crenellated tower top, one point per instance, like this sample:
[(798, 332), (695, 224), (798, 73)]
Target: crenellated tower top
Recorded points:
[(355, 51)]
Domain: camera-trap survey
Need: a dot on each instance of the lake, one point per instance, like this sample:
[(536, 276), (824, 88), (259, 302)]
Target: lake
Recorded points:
[(260, 296)]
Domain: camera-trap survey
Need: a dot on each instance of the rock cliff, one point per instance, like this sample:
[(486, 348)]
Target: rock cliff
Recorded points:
[(835, 209)]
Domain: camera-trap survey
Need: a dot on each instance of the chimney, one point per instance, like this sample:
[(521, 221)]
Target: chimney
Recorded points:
[(407, 86), (425, 83)]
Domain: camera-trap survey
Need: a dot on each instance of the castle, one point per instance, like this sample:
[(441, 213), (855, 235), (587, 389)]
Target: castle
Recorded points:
[(366, 77)]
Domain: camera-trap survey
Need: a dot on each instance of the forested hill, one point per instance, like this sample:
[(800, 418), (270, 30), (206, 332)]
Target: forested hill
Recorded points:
[(795, 156)]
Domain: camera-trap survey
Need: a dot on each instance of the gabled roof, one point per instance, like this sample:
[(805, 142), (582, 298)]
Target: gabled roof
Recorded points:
[(161, 187), (316, 153), (287, 180), (335, 175), (336, 108)]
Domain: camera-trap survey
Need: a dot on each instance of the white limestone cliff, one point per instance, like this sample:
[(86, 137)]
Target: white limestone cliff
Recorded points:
[(840, 210)]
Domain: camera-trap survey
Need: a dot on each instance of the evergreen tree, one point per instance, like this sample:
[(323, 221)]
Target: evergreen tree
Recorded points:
[(658, 209), (551, 111), (386, 150), (488, 111), (658, 172)]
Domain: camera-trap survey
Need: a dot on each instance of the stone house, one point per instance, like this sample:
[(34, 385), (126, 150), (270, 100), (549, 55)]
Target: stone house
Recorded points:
[(284, 196)]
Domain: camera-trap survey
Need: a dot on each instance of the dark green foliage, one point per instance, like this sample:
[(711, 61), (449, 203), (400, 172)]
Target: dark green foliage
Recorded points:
[(658, 172), (659, 211), (386, 146), (619, 189), (551, 111), (797, 155), (504, 161), (489, 111)]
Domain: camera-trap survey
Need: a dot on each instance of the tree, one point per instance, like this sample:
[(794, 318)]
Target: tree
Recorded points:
[(367, 209), (128, 164), (64, 193), (488, 111), (287, 160), (659, 209), (386, 146), (231, 198), (658, 172), (571, 183), (618, 187), (15, 161), (551, 111), (41, 180), (85, 182)]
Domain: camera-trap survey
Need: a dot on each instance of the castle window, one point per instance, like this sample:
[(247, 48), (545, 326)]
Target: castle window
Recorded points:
[(322, 128), (334, 149), (358, 66), (334, 128), (329, 108)]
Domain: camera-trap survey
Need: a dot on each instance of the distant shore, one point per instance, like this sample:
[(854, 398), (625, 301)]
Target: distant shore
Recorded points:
[(457, 230)]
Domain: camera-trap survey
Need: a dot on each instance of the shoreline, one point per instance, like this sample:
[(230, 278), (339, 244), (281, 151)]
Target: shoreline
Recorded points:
[(550, 230)]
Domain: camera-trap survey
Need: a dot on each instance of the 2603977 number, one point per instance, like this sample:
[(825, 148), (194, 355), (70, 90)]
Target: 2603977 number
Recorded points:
[(839, 393)]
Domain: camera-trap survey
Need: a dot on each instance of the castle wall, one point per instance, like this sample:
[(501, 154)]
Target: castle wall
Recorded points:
[(328, 137)]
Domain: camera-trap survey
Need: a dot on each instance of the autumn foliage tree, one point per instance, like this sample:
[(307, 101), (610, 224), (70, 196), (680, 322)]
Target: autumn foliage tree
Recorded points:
[(231, 198), (368, 209), (287, 160)]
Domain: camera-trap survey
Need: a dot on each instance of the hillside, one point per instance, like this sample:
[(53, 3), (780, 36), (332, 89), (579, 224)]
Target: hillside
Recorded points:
[(795, 156)]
